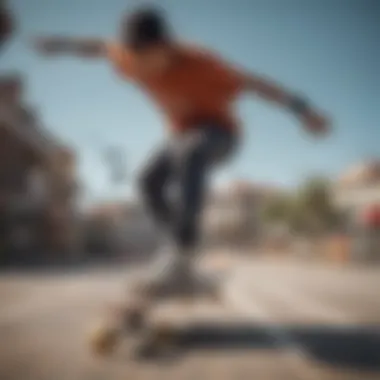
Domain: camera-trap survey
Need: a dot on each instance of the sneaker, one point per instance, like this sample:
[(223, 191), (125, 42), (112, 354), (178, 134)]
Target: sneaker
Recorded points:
[(170, 274)]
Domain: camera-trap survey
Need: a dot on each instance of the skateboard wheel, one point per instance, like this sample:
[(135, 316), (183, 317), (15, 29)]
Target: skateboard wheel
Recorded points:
[(103, 340), (163, 335), (158, 340)]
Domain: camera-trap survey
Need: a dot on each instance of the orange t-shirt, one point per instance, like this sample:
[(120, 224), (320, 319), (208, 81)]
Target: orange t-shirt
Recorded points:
[(199, 87)]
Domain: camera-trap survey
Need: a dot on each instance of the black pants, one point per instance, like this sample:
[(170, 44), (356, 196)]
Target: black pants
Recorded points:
[(183, 164)]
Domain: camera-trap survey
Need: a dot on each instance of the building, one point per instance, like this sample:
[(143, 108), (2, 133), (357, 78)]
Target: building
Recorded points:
[(37, 183), (120, 229), (233, 213), (357, 193), (232, 216), (358, 187)]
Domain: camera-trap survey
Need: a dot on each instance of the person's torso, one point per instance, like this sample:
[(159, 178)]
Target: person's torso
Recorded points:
[(189, 92)]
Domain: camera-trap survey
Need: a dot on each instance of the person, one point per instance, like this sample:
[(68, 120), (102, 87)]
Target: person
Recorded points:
[(195, 89)]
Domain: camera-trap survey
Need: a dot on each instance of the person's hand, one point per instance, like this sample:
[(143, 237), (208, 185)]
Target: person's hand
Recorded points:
[(316, 123)]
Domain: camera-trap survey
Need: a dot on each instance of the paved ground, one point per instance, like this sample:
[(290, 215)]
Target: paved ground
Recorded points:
[(281, 321)]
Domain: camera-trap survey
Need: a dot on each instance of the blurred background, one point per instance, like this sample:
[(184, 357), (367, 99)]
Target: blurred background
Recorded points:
[(298, 220)]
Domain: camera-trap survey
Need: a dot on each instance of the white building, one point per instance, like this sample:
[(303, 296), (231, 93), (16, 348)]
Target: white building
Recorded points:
[(233, 213), (358, 187), (357, 191)]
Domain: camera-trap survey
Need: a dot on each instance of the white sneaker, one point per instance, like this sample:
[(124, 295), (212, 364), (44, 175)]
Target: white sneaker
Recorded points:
[(169, 275)]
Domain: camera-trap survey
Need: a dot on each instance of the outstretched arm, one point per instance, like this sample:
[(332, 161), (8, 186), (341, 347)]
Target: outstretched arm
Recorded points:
[(81, 47), (237, 81), (313, 120)]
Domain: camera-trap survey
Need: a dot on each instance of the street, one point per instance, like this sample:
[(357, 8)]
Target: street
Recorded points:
[(295, 320)]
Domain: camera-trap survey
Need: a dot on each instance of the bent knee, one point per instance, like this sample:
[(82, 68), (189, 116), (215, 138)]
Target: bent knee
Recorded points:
[(150, 183)]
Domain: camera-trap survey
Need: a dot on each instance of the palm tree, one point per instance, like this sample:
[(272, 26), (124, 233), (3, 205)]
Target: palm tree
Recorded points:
[(277, 210), (315, 206)]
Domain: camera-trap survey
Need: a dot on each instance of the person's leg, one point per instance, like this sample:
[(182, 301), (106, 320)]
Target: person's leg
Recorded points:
[(154, 178), (190, 159), (153, 182), (197, 154)]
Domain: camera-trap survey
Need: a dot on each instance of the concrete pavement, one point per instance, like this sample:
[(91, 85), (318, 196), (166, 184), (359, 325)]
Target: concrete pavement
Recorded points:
[(296, 321)]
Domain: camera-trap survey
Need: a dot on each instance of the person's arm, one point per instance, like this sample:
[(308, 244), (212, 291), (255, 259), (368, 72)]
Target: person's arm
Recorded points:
[(81, 47), (313, 120), (87, 48), (236, 81)]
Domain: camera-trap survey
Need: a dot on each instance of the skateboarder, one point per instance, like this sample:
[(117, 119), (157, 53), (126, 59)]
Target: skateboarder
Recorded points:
[(195, 89)]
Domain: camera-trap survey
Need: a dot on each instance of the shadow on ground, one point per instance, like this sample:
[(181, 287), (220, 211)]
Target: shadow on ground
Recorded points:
[(356, 348)]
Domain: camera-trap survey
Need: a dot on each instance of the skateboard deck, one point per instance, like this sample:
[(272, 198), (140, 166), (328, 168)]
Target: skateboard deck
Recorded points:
[(168, 323), (154, 323)]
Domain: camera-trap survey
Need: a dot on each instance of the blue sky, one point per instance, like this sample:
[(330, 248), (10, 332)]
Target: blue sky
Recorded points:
[(328, 49)]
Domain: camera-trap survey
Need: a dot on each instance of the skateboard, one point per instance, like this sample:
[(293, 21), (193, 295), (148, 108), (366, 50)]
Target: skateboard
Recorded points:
[(136, 319)]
